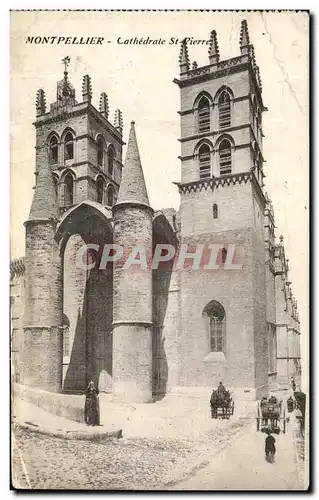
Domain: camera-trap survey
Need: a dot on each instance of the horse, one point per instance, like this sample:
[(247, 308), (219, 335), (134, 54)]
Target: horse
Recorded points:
[(220, 399)]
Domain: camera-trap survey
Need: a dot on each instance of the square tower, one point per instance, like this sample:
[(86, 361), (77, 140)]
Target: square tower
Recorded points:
[(83, 149), (224, 321)]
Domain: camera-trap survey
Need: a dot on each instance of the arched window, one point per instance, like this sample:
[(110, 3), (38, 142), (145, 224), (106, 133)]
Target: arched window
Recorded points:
[(110, 160), (68, 190), (215, 315), (217, 323), (100, 152), (110, 195), (53, 152), (215, 211), (225, 157), (204, 161), (203, 115), (68, 147), (99, 190), (224, 110)]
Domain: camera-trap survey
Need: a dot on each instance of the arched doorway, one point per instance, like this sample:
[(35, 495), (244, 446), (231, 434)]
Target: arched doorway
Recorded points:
[(87, 298)]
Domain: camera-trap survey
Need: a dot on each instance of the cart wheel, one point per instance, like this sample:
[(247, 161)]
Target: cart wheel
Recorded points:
[(232, 408), (258, 423)]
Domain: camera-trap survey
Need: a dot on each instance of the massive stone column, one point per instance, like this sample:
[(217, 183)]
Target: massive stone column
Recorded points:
[(43, 307), (132, 285)]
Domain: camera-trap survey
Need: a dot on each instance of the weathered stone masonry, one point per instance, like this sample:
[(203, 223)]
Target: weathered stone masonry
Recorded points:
[(140, 333)]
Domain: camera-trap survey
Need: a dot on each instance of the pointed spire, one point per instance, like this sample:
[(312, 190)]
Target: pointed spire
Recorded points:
[(213, 51), (86, 89), (44, 203), (183, 57), (104, 105), (244, 38), (133, 187), (40, 103)]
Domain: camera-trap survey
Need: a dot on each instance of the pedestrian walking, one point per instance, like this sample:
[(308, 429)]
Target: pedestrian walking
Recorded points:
[(92, 405), (270, 448)]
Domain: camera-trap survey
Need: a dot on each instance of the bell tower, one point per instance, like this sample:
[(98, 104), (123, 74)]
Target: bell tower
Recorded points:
[(79, 143), (222, 202)]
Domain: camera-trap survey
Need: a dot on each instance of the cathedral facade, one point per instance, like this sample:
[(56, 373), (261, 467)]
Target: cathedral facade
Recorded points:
[(167, 329)]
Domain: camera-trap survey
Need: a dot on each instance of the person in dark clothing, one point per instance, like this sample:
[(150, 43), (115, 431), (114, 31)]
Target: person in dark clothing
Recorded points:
[(92, 405), (293, 384), (270, 448), (221, 389)]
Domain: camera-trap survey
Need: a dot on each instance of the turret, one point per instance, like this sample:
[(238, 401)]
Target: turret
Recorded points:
[(86, 89), (43, 308), (244, 41), (40, 103), (213, 48), (184, 58), (104, 105), (132, 284), (118, 120)]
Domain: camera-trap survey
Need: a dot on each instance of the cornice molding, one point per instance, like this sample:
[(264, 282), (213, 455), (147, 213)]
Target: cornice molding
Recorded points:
[(212, 183), (78, 110), (216, 182), (211, 72)]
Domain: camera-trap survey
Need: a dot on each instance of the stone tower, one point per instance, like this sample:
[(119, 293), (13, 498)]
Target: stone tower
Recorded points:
[(132, 284), (81, 146), (78, 174), (222, 203), (43, 307)]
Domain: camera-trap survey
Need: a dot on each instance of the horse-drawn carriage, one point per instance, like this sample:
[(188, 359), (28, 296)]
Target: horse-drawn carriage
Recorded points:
[(271, 416), (221, 404)]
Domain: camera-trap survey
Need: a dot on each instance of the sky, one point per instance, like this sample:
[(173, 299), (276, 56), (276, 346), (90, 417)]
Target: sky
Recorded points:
[(139, 80)]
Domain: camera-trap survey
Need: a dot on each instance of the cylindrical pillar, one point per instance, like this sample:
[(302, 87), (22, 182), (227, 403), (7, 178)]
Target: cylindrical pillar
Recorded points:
[(43, 341), (132, 304)]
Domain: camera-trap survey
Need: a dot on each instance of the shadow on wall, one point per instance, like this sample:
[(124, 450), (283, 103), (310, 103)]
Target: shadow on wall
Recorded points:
[(161, 282), (75, 379), (91, 350)]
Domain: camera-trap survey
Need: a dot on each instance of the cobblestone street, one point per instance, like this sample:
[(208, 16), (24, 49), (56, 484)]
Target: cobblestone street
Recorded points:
[(47, 462), (165, 446), (42, 462)]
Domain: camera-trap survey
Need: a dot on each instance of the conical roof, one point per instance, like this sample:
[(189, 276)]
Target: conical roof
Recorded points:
[(133, 187), (44, 203)]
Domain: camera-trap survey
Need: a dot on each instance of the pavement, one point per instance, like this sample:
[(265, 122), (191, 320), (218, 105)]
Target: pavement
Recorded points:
[(172, 417), (31, 417), (172, 444), (242, 465)]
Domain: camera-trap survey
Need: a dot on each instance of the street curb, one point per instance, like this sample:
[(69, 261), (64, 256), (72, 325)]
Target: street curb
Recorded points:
[(81, 435)]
